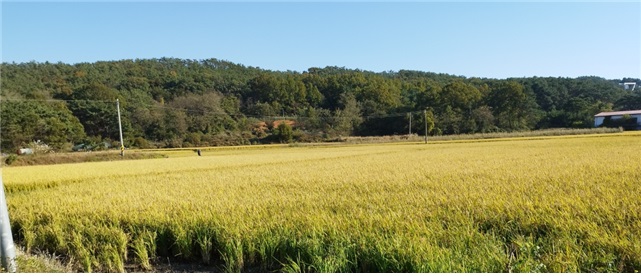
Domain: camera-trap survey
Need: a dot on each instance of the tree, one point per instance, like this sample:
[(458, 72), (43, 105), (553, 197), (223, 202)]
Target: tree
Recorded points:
[(204, 113), (284, 133), (348, 118), (429, 117), (95, 106), (427, 94), (166, 101), (509, 103), (51, 123), (484, 119), (630, 102), (459, 95), (449, 122)]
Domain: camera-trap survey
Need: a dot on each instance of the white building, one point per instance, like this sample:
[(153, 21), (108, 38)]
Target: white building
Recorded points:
[(628, 85), (617, 115)]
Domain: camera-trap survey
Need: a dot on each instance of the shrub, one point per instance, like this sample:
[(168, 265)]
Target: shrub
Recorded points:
[(142, 143), (285, 133), (193, 138), (10, 159)]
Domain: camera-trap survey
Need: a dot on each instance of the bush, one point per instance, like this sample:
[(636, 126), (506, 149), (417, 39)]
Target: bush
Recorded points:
[(285, 133), (627, 122), (142, 143), (193, 138), (10, 159)]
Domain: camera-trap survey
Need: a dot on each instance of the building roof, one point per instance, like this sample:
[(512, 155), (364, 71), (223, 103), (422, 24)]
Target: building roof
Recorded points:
[(618, 113)]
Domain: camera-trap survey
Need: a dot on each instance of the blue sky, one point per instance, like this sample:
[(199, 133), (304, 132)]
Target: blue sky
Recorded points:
[(473, 39)]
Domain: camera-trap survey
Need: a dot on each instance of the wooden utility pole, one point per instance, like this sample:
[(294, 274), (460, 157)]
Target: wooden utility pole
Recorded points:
[(410, 114), (425, 115), (122, 145)]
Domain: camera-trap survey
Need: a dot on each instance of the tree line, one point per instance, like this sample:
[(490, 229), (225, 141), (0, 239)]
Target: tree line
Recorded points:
[(170, 102)]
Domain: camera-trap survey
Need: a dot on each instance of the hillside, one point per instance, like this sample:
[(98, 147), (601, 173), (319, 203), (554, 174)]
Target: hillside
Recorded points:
[(171, 102)]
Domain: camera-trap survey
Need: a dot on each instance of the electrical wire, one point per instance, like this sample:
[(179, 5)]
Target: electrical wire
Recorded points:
[(237, 115)]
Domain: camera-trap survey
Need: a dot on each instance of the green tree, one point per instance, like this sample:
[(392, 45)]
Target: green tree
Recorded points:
[(51, 123), (285, 133), (449, 122), (460, 95), (349, 117), (484, 119), (204, 113), (509, 103), (429, 117), (95, 106)]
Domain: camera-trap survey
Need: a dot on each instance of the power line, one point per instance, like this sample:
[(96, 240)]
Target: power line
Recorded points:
[(237, 115)]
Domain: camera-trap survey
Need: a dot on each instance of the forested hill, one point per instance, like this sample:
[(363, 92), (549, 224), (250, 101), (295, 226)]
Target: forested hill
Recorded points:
[(175, 103)]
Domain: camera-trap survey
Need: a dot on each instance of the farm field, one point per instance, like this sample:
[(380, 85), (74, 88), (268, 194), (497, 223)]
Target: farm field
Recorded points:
[(545, 204)]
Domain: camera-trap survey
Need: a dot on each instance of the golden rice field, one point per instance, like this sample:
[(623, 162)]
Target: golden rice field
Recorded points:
[(551, 204)]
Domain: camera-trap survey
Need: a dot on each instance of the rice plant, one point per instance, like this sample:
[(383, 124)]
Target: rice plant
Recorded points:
[(559, 204)]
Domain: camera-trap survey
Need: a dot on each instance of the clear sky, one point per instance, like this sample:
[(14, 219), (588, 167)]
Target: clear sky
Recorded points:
[(473, 39)]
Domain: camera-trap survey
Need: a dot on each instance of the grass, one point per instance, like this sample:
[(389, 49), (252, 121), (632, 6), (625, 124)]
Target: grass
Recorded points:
[(79, 157), (562, 204), (40, 263), (476, 136)]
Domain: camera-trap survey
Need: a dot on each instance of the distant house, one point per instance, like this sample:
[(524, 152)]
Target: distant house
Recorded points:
[(24, 151), (628, 85), (630, 119)]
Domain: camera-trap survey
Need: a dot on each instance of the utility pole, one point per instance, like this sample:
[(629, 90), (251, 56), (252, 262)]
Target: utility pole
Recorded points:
[(8, 252), (122, 145), (410, 114), (7, 248), (425, 115)]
